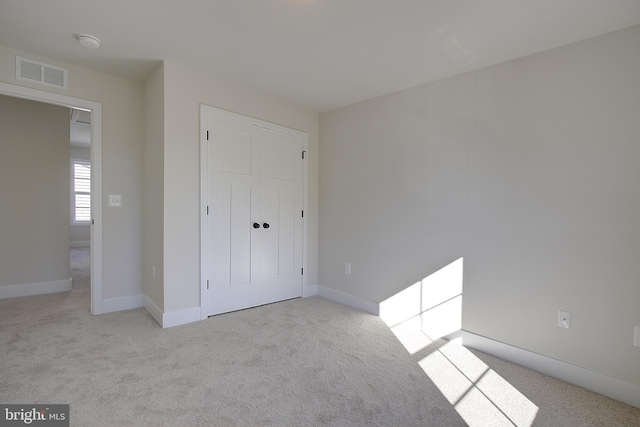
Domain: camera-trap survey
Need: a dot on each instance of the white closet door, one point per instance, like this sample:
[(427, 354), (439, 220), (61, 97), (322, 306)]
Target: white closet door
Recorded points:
[(255, 199), (282, 209)]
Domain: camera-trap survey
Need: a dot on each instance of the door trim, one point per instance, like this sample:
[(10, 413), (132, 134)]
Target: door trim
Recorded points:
[(96, 173), (205, 111)]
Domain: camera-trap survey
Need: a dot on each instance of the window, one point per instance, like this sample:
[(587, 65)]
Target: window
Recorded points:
[(80, 192)]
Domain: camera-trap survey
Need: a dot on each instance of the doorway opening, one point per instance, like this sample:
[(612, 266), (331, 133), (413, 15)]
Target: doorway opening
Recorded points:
[(94, 110), (80, 200)]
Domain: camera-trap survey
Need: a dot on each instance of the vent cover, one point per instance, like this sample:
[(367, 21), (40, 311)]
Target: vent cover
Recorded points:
[(34, 71)]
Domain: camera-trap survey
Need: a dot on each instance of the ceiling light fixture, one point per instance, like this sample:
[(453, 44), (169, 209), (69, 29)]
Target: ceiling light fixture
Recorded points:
[(89, 41)]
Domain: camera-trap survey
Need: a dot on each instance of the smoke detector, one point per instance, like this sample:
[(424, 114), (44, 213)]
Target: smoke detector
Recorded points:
[(89, 41)]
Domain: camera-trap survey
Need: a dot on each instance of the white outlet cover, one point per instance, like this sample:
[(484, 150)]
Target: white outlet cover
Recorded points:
[(564, 319)]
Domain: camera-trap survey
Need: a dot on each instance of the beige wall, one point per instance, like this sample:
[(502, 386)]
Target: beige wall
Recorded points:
[(122, 140), (34, 190), (528, 170), (185, 90)]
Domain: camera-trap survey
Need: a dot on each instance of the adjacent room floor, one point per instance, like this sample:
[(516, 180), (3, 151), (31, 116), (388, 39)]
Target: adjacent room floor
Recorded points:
[(81, 268)]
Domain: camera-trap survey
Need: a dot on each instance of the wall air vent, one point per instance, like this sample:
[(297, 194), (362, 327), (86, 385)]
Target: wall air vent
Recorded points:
[(39, 72)]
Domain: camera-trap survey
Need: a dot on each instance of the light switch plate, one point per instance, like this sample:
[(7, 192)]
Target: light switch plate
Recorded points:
[(636, 336), (115, 200)]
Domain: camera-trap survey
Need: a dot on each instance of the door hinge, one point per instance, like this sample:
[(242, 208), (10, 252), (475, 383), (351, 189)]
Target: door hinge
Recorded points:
[(302, 271), (302, 214), (207, 284), (207, 135), (207, 209), (303, 153)]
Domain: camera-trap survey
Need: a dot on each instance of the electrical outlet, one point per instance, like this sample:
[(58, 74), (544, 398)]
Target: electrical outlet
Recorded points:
[(564, 319), (347, 268)]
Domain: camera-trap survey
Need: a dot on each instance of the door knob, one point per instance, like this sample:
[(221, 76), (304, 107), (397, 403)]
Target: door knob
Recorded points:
[(256, 225), (266, 225)]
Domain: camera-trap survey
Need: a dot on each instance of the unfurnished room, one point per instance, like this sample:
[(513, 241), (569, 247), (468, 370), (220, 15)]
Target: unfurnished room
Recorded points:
[(320, 213)]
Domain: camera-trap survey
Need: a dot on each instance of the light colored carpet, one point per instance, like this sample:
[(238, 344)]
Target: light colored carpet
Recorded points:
[(80, 268), (303, 362)]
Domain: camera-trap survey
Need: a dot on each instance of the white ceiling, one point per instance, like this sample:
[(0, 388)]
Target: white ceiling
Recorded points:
[(318, 53)]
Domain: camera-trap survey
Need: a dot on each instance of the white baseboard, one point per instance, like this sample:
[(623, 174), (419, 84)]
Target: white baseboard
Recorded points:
[(122, 303), (611, 387), (174, 318), (81, 244), (182, 317), (30, 289), (350, 300), (153, 310), (309, 291)]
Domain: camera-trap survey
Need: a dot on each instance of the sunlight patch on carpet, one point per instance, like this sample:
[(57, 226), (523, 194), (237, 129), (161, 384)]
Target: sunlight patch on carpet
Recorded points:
[(479, 394), (431, 309)]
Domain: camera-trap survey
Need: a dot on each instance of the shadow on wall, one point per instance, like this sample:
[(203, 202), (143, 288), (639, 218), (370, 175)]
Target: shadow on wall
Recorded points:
[(425, 312)]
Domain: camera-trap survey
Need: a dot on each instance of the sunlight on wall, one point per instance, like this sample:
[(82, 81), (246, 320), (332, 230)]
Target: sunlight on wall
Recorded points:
[(419, 316), (429, 308)]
